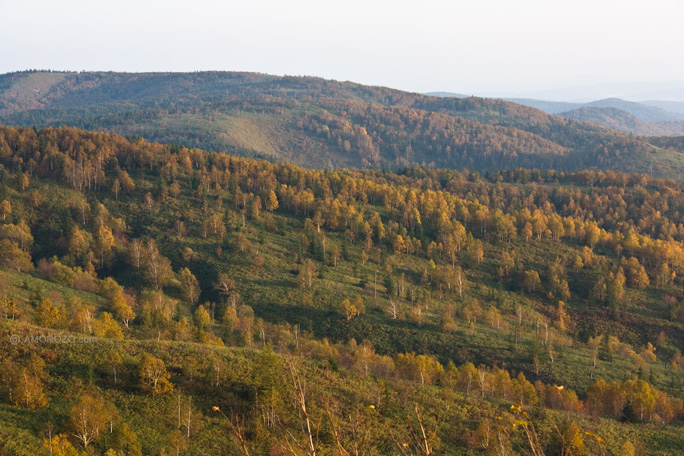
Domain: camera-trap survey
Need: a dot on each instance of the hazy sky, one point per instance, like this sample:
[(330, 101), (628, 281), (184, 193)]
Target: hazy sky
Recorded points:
[(471, 46)]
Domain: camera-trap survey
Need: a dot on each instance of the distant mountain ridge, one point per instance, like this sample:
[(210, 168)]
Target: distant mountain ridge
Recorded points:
[(323, 123), (551, 107), (649, 111), (446, 94), (642, 119), (624, 121), (639, 110), (626, 90), (671, 106)]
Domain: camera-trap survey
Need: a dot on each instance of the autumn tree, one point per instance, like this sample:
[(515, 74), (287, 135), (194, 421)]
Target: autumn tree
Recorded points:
[(136, 253), (507, 263), (116, 188), (562, 317), (615, 290), (25, 384), (399, 244), (124, 310), (569, 440), (467, 378), (119, 303), (558, 284), (104, 243), (106, 326), (127, 184), (271, 201), (527, 232), (189, 286), (447, 323), (113, 361), (125, 441), (627, 449), (635, 273), (524, 391), (59, 445), (13, 257), (494, 317), (158, 271), (154, 378), (354, 308), (307, 274), (48, 315), (5, 209), (241, 243), (592, 234), (531, 281), (88, 418), (201, 317), (347, 310), (225, 284), (664, 275), (598, 292), (255, 208)]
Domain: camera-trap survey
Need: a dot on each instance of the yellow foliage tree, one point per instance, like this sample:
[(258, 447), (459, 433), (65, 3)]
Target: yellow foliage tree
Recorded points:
[(154, 378)]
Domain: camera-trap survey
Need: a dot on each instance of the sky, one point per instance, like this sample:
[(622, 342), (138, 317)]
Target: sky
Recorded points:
[(499, 47)]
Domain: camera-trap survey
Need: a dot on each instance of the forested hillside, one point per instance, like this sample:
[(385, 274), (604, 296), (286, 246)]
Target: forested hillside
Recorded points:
[(324, 124), (243, 307)]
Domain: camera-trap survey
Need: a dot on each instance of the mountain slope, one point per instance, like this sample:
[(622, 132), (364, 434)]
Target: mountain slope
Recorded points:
[(189, 302), (319, 123)]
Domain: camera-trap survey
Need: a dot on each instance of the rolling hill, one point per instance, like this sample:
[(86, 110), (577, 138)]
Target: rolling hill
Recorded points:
[(319, 123)]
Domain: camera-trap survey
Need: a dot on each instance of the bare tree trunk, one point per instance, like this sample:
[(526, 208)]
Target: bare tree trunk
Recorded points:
[(335, 432), (300, 401), (188, 422), (425, 445)]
